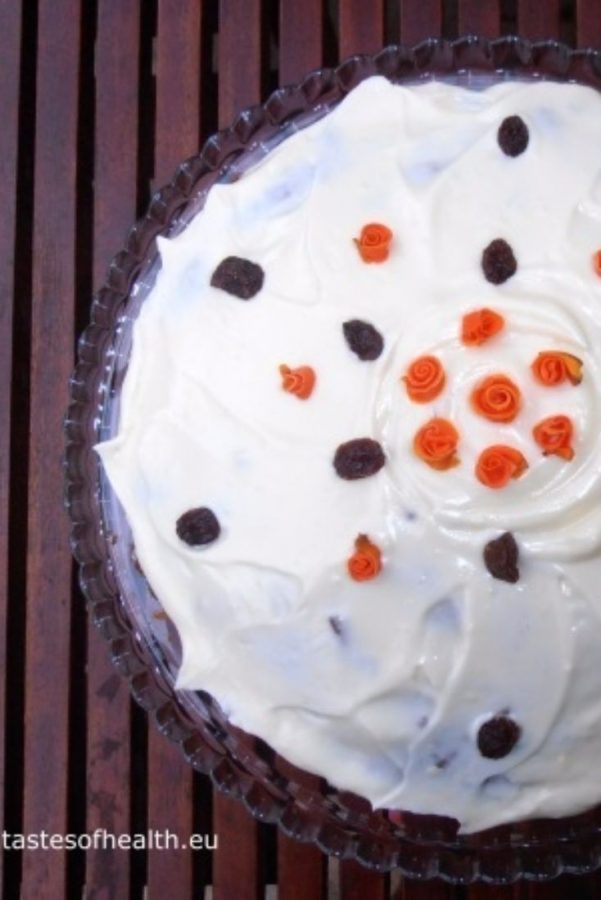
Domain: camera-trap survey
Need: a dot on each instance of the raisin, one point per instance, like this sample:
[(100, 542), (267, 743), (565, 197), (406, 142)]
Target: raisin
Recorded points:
[(335, 623), (359, 458), (498, 736), (501, 558), (239, 277), (363, 339), (498, 261), (198, 526), (513, 136)]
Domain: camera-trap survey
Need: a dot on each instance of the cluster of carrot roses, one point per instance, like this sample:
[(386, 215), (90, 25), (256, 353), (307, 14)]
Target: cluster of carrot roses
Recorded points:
[(496, 398)]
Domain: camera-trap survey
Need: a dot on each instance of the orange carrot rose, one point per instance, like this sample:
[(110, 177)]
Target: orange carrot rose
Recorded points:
[(436, 444), (425, 379), (480, 325), (299, 381), (497, 398), (497, 465), (366, 561), (554, 436), (552, 367), (597, 262), (374, 242)]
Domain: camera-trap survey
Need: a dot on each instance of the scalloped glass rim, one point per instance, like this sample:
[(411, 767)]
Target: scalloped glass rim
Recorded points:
[(143, 647)]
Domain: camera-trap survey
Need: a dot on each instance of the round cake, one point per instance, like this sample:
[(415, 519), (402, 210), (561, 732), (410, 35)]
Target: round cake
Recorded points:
[(358, 448)]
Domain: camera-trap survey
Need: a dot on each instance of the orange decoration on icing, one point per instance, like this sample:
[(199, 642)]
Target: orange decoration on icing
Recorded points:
[(425, 379), (497, 398), (366, 561), (374, 242), (497, 465), (299, 382), (552, 367), (480, 325), (436, 444), (554, 436), (597, 262)]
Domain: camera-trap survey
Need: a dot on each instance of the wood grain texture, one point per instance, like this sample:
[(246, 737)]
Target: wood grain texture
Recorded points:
[(115, 163), (48, 558), (588, 23), (361, 26), (302, 868), (537, 20), (482, 17), (170, 777), (428, 890), (357, 883), (236, 863), (10, 40), (178, 63), (301, 35), (238, 57), (420, 19)]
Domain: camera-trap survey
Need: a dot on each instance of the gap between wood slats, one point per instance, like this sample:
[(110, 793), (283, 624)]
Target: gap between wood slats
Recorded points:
[(15, 674), (10, 38), (114, 168), (49, 560)]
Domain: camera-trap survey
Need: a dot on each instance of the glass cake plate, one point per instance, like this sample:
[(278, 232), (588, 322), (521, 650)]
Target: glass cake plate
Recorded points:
[(143, 643)]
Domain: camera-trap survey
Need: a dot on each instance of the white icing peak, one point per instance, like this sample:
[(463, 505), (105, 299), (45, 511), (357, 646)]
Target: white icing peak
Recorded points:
[(381, 686)]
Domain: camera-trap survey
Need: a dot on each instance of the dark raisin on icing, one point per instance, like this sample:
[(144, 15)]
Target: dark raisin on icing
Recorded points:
[(239, 277), (498, 736), (513, 136), (501, 558), (363, 339), (198, 526), (498, 261), (336, 625), (358, 458)]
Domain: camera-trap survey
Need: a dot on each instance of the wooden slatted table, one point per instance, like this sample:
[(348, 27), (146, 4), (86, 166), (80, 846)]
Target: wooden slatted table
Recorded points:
[(100, 100)]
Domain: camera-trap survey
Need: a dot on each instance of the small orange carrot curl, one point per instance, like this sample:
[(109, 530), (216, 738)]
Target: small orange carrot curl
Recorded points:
[(425, 378), (436, 444), (554, 436), (497, 398), (299, 381), (366, 561), (497, 465), (480, 326), (597, 262), (553, 367), (374, 242)]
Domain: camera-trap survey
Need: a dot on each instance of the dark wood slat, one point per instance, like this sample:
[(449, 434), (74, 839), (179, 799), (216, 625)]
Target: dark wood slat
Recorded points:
[(48, 558), (178, 64), (429, 890), (358, 883), (115, 160), (420, 19), (238, 57), (115, 154), (480, 17), (170, 801), (302, 868), (588, 23), (10, 40), (537, 20), (496, 892), (300, 39), (236, 862), (177, 68), (361, 27)]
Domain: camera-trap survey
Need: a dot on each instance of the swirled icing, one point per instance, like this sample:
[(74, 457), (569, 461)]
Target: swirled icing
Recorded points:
[(380, 686)]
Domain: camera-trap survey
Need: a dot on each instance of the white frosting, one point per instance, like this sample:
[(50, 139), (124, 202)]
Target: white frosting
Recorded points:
[(390, 706)]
